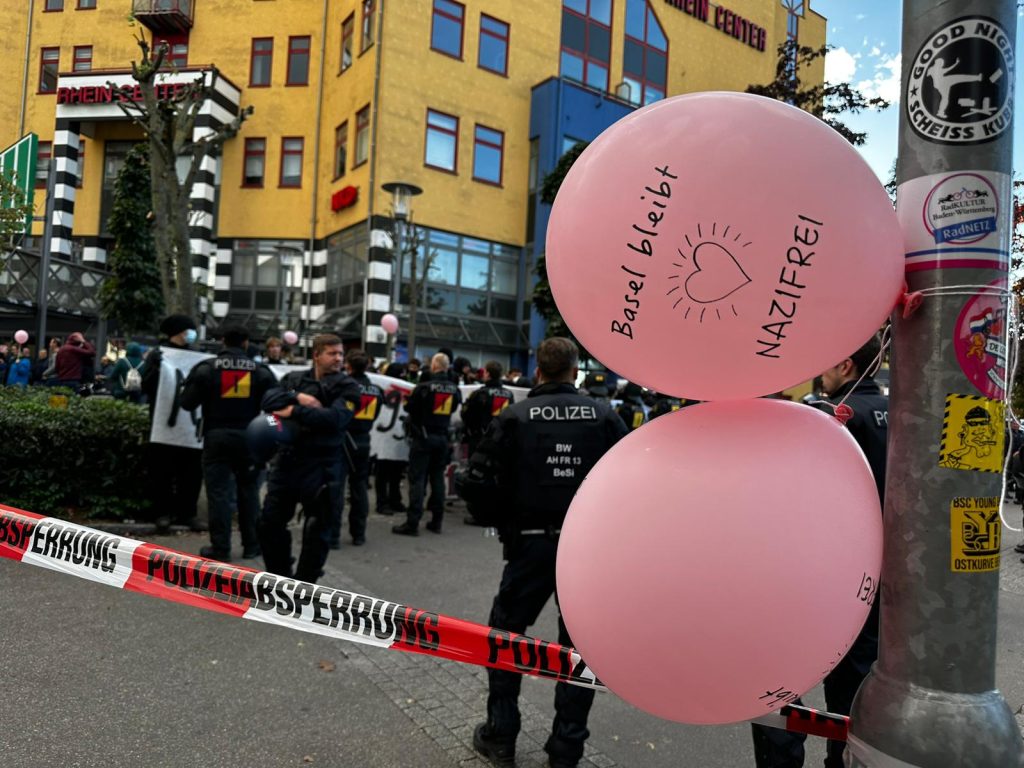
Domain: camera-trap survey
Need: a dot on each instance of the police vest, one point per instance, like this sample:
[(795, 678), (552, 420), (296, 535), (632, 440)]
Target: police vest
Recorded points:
[(632, 415), (664, 405), (371, 398), (234, 387), (431, 405), (483, 405)]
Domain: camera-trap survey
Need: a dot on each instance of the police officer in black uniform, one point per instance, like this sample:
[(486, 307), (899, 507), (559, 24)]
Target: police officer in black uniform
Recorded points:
[(631, 408), (775, 748), (596, 386), (322, 402), (430, 408), (538, 452), (230, 388), (357, 450), (664, 404), (479, 410)]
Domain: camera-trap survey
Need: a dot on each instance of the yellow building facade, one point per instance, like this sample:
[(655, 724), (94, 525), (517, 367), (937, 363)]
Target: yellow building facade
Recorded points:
[(456, 99)]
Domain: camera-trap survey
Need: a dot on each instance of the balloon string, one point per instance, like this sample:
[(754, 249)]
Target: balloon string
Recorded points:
[(841, 410)]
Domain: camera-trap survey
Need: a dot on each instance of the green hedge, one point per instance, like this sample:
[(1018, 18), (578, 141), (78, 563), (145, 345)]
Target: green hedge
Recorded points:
[(85, 459)]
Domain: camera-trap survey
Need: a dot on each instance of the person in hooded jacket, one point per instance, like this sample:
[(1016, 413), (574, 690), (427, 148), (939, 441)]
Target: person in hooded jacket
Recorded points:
[(119, 376)]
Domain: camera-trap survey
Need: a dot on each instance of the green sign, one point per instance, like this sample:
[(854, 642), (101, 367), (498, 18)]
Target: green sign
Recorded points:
[(18, 164)]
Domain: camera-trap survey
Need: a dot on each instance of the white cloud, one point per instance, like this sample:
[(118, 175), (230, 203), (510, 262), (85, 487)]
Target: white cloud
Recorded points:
[(861, 16), (876, 51), (886, 80), (840, 65)]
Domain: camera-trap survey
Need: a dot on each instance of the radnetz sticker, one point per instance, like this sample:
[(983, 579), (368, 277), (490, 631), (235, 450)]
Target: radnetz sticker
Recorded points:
[(960, 89)]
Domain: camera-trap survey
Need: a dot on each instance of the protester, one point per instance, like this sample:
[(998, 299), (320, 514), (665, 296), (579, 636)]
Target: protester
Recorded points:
[(275, 352), (122, 384), (412, 373), (19, 371), (50, 374), (39, 367), (74, 361)]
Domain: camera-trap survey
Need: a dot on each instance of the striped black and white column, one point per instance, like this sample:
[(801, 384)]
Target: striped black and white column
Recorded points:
[(379, 277), (67, 142)]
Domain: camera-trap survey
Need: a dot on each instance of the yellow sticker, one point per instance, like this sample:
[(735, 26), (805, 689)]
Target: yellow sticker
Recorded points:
[(975, 534), (972, 434)]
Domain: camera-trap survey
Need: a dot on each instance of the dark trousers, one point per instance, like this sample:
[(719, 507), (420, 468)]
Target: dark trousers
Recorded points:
[(231, 483), (776, 748), (389, 484), (176, 475), (358, 470), (315, 483), (526, 584), (428, 458)]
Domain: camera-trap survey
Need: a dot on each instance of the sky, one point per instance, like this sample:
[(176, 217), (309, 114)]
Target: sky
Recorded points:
[(867, 36)]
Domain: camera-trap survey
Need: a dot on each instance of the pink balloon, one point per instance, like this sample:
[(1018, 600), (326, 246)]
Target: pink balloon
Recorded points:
[(720, 560), (722, 245), (290, 337), (21, 336), (389, 323)]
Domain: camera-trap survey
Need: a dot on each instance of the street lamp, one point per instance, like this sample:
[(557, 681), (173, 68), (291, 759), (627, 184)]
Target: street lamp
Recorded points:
[(401, 195)]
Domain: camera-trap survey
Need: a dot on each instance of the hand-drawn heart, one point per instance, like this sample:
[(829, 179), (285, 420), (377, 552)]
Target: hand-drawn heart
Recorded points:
[(716, 276)]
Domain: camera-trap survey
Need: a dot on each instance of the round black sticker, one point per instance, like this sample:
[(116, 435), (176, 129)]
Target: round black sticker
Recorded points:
[(960, 89)]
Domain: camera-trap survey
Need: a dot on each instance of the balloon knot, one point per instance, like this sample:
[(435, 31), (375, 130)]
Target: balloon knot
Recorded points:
[(911, 302), (843, 412)]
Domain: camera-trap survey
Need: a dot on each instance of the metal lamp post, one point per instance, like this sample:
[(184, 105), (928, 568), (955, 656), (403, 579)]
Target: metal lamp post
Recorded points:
[(401, 195)]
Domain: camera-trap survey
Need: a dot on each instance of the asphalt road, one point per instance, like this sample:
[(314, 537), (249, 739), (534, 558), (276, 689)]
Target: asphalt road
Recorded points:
[(94, 676)]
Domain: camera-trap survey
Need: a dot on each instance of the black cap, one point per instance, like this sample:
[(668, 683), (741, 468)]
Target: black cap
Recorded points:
[(596, 384), (175, 324)]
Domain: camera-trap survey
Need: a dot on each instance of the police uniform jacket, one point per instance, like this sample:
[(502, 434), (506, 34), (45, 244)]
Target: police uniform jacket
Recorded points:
[(371, 398), (541, 450), (431, 405), (870, 423), (483, 405), (229, 387), (322, 430)]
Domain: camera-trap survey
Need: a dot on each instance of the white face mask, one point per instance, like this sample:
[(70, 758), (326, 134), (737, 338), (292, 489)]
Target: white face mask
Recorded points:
[(191, 336)]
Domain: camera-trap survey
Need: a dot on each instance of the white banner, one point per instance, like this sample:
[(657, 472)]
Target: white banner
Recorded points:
[(173, 425)]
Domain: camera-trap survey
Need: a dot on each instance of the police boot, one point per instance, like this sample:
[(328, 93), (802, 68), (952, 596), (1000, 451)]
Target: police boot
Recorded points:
[(498, 751)]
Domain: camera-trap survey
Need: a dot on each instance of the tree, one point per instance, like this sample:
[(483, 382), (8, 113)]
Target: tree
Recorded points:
[(131, 296), (14, 209), (168, 117), (826, 101)]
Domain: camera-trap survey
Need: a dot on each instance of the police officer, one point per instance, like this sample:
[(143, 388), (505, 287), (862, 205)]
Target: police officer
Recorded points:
[(229, 387), (538, 451), (357, 447), (631, 406), (774, 748), (322, 402), (479, 410), (430, 408), (595, 386), (664, 404)]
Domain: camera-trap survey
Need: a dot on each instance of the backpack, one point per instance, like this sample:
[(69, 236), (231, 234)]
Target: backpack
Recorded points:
[(132, 379)]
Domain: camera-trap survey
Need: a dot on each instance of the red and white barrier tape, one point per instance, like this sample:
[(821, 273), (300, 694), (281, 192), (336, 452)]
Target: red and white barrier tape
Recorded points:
[(238, 591)]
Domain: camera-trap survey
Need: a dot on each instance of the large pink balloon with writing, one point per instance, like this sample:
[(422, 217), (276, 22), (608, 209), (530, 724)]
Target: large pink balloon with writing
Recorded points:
[(722, 245), (719, 561)]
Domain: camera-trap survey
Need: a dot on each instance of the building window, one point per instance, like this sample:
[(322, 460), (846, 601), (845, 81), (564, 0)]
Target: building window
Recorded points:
[(362, 136), (493, 53), (369, 13), (488, 148), (340, 149), (645, 58), (348, 31), (794, 10), (261, 62), (44, 160), (84, 5), (442, 140), (82, 61), (177, 50), (54, 5), (49, 63), (298, 61), (254, 163), (81, 164), (446, 28), (586, 41), (291, 161)]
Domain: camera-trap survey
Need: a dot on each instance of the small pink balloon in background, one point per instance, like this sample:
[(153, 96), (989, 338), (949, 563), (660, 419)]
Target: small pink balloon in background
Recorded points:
[(389, 323), (719, 561), (703, 245), (290, 337), (21, 336)]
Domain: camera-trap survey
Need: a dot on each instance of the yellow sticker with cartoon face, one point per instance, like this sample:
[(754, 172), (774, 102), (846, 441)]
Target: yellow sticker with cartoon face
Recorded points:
[(972, 434)]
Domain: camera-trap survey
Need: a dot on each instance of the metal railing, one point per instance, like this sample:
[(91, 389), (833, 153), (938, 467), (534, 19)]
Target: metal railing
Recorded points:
[(71, 288)]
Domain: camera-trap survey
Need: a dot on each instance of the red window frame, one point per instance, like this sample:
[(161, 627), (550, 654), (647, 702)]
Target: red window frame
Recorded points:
[(460, 20), (43, 61), (285, 153), (448, 131), (489, 33), (588, 21), (44, 151), (477, 141), (645, 46), (251, 151), (268, 54), (369, 15), (340, 149), (348, 37), (362, 129), (293, 49), (82, 54)]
